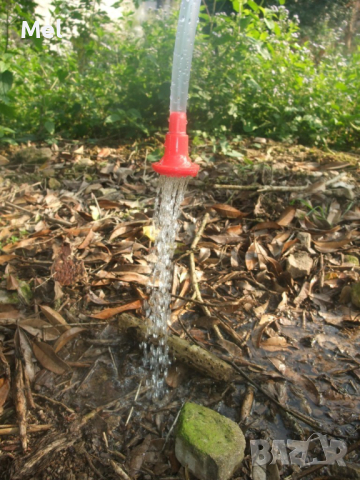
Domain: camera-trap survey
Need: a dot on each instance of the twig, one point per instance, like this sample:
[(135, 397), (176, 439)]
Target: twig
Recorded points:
[(20, 403), (200, 231), (113, 361), (132, 408), (278, 188), (13, 430), (119, 471), (28, 392), (188, 333), (172, 427), (237, 187), (9, 204), (192, 264), (55, 402), (207, 304), (92, 466)]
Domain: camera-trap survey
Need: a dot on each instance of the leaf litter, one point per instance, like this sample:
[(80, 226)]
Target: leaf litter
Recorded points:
[(77, 255)]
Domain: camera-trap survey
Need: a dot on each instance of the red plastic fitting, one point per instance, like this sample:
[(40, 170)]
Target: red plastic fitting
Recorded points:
[(176, 161)]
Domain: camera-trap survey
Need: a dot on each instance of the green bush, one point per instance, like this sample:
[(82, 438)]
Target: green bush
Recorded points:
[(251, 75)]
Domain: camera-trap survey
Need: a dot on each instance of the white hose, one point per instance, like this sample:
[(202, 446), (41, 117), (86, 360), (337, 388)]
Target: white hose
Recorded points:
[(183, 52)]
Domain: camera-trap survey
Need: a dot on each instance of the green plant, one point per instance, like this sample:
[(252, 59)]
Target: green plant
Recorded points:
[(251, 75)]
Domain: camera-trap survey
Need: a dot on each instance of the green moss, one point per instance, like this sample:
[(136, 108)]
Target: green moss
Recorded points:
[(8, 298), (207, 431), (355, 294), (25, 292), (351, 259)]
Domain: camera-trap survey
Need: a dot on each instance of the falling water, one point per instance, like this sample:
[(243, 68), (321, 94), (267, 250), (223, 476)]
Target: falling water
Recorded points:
[(167, 209)]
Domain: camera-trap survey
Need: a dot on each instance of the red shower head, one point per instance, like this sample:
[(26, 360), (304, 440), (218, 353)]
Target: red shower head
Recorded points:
[(176, 161)]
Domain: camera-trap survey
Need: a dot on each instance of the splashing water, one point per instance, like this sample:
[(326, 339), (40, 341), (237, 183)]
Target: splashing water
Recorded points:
[(167, 209)]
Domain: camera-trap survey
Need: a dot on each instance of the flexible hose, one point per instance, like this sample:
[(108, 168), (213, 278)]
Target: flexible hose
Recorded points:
[(183, 52)]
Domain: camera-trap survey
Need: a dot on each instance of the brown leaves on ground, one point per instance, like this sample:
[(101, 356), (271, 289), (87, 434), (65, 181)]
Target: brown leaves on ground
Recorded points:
[(78, 252)]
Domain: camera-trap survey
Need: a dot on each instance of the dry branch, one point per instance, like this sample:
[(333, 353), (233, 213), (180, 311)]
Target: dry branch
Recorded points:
[(13, 430), (279, 188), (194, 356)]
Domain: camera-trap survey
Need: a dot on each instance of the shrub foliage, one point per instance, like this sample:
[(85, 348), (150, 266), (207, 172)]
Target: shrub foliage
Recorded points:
[(252, 73)]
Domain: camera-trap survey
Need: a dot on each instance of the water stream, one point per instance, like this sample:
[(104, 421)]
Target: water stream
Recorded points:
[(167, 209)]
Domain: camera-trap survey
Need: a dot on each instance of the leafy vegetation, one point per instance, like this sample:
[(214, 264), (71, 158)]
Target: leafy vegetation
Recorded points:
[(253, 74)]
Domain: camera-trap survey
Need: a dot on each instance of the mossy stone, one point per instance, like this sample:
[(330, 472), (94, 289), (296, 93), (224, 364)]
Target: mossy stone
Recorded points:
[(355, 294), (211, 445)]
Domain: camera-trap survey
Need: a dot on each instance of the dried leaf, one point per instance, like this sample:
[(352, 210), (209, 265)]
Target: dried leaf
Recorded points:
[(4, 390), (150, 232), (9, 314), (110, 312), (274, 344), (329, 247), (227, 211), (176, 375), (234, 230), (287, 216), (230, 347), (134, 277), (7, 258), (23, 347), (46, 355), (137, 456), (226, 239), (298, 379), (66, 337), (265, 321), (87, 241), (104, 152), (251, 259), (265, 226), (54, 317), (40, 328)]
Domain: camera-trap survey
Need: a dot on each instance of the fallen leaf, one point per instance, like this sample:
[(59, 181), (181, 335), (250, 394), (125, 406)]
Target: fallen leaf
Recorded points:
[(227, 211), (54, 317), (40, 328), (66, 337), (274, 344), (176, 375), (23, 347), (134, 277), (230, 347), (298, 379), (150, 232), (4, 390), (265, 321), (110, 312), (287, 216), (7, 258), (265, 226), (46, 355), (251, 259), (104, 153), (10, 314), (137, 456), (333, 246)]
